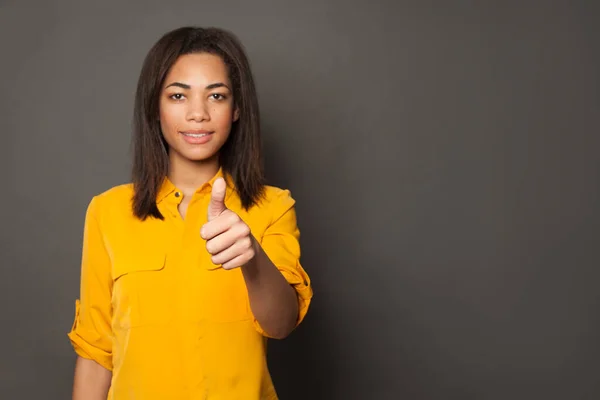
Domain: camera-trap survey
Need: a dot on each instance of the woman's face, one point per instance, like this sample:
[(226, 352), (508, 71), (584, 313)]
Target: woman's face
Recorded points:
[(196, 107)]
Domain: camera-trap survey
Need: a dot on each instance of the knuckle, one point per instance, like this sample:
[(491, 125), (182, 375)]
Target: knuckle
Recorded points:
[(233, 218), (210, 247), (242, 245), (245, 229)]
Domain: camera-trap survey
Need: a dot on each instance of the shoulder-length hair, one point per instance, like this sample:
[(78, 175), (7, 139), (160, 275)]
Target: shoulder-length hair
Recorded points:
[(240, 157)]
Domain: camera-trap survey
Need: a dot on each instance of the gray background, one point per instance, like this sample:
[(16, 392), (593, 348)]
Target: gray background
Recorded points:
[(445, 160)]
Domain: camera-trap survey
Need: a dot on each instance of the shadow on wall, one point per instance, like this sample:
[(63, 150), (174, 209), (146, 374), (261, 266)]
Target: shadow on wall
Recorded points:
[(303, 365)]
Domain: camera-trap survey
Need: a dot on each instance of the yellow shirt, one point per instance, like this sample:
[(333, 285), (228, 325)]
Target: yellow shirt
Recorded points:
[(160, 315)]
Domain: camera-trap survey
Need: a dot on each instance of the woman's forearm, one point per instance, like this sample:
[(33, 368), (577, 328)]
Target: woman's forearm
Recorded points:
[(92, 381), (273, 301)]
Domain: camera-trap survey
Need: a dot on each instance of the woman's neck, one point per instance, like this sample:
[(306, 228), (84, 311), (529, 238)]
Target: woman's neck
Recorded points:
[(188, 176)]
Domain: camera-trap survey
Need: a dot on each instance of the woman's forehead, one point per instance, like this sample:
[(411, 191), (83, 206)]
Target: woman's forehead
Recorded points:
[(198, 70)]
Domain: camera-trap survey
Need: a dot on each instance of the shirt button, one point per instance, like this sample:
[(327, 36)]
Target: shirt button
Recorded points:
[(177, 194)]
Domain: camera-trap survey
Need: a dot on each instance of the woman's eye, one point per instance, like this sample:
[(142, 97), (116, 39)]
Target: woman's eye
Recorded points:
[(217, 96), (176, 96)]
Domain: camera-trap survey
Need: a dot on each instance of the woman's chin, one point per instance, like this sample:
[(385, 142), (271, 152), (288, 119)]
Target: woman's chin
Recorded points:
[(194, 156)]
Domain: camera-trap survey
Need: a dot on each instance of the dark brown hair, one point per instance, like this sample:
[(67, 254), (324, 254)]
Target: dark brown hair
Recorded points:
[(240, 157)]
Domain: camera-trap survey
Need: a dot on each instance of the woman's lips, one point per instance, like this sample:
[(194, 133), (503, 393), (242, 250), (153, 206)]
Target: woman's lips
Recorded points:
[(197, 137)]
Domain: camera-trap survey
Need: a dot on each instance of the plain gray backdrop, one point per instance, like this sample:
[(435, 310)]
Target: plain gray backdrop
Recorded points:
[(445, 157)]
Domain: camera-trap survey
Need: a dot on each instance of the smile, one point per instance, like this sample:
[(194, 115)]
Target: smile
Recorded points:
[(195, 135)]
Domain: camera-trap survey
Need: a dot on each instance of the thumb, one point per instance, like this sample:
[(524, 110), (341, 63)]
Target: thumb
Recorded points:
[(217, 199)]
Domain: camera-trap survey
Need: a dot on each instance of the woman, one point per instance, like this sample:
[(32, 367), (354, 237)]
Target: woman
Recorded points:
[(190, 268)]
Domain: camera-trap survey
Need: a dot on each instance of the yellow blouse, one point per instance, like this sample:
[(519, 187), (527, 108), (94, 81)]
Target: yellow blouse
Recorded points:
[(155, 311)]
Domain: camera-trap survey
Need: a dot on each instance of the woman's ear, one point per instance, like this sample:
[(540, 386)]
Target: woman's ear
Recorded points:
[(236, 114)]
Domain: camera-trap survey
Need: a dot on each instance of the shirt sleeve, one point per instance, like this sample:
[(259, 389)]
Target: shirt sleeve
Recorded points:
[(91, 333), (281, 244)]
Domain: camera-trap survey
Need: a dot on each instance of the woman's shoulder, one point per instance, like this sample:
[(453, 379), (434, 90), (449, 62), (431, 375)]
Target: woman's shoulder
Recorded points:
[(116, 197), (274, 196), (274, 202), (116, 194)]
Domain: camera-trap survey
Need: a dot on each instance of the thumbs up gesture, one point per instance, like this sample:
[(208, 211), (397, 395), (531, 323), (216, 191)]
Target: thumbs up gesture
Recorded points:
[(228, 238)]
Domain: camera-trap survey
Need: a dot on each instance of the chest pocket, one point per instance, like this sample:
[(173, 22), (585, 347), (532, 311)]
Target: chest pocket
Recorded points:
[(140, 289)]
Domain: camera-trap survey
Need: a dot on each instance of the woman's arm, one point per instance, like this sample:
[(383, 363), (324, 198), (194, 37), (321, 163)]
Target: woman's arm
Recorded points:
[(92, 380), (278, 288), (272, 300), (91, 331)]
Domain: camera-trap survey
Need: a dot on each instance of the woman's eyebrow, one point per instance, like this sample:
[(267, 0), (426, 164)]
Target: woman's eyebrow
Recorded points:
[(217, 85), (179, 84), (186, 86)]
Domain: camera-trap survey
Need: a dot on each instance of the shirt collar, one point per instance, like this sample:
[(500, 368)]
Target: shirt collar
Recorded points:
[(168, 187)]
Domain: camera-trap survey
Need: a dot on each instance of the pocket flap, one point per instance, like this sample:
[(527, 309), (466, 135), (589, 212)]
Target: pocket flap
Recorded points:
[(154, 261)]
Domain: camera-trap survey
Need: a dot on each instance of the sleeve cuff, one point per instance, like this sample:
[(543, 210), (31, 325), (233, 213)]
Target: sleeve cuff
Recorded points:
[(85, 347), (300, 281)]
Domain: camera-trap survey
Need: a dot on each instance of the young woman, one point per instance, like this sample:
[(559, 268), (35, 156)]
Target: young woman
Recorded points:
[(190, 268)]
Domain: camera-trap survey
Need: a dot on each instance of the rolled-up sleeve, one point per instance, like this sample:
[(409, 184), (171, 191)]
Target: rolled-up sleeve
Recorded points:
[(91, 334), (281, 244)]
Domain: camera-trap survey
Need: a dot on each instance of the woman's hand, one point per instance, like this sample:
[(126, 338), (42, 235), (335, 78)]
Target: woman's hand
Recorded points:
[(228, 238)]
